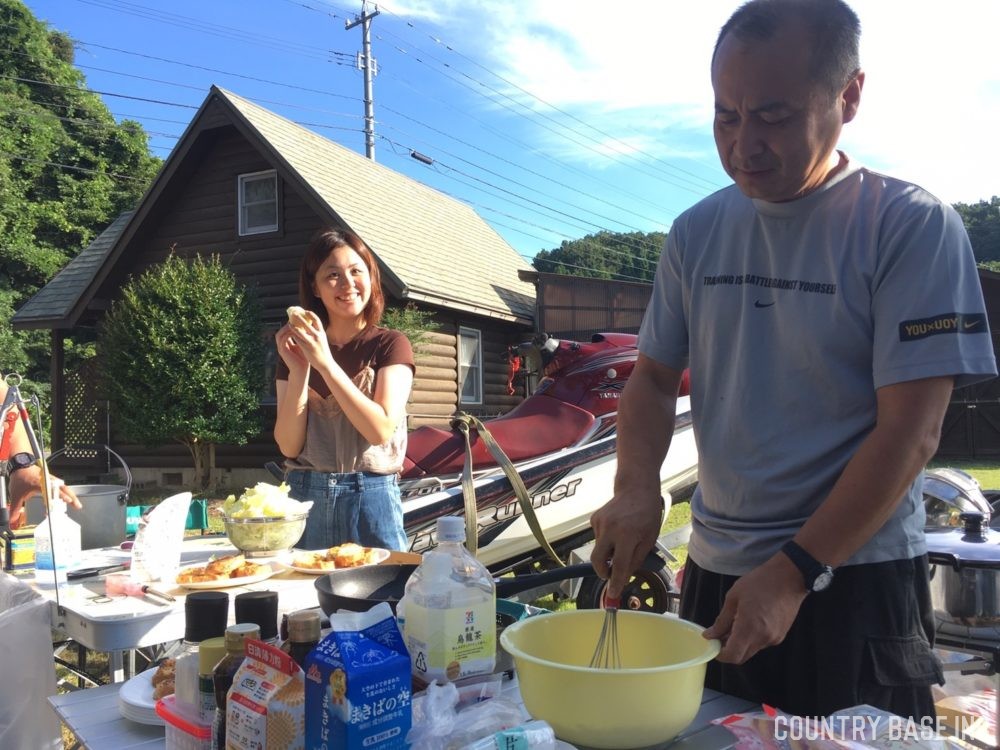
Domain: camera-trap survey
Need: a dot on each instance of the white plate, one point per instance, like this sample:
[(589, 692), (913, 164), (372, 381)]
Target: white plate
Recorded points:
[(225, 583), (135, 699), (380, 555)]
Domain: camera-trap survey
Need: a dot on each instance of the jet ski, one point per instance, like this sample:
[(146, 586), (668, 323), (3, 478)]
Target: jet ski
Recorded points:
[(561, 440)]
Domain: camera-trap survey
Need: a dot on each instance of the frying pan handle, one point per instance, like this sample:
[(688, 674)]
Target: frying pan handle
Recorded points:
[(509, 586)]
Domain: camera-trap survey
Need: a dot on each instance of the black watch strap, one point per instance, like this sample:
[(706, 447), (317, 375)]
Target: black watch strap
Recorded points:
[(815, 574), (20, 461)]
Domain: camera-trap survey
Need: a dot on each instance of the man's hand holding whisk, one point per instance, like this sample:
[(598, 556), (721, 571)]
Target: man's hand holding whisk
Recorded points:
[(625, 529)]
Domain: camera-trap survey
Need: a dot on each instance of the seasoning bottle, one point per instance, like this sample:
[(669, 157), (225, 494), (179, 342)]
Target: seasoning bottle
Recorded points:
[(210, 653), (450, 610), (260, 608), (225, 671), (303, 635), (205, 616)]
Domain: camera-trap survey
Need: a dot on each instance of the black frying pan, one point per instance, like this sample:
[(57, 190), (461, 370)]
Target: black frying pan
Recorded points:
[(360, 589)]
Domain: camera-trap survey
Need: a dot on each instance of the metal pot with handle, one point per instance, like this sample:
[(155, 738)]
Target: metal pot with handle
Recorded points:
[(965, 572)]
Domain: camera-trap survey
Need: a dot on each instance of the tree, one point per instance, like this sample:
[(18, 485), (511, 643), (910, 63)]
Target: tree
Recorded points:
[(182, 359), (412, 322), (982, 222), (67, 169), (606, 255)]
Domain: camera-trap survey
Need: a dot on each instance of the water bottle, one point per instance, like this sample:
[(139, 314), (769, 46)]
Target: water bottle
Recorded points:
[(450, 610), (63, 535)]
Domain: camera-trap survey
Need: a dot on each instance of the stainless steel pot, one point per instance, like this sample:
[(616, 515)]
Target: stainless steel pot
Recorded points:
[(965, 572), (950, 492)]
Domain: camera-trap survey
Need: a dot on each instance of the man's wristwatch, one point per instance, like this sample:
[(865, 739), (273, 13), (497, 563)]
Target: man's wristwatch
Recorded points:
[(20, 461), (816, 575)]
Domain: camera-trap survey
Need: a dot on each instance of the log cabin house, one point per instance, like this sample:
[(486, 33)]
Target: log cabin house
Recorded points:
[(253, 187)]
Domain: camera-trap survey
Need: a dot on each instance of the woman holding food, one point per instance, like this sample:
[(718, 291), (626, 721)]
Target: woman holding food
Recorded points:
[(342, 385)]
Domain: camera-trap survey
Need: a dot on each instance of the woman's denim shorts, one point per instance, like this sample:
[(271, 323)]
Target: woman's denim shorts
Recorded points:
[(352, 507)]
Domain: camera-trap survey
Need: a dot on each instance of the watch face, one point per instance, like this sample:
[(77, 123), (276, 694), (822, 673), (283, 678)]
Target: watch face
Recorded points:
[(823, 580), (21, 461)]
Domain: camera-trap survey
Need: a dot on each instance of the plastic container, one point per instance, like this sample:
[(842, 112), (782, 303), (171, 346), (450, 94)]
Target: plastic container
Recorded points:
[(63, 537), (183, 732), (449, 610), (534, 734), (652, 698), (205, 615)]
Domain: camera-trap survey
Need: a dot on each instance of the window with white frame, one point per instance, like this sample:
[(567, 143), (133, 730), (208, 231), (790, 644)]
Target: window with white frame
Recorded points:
[(258, 197), (470, 365)]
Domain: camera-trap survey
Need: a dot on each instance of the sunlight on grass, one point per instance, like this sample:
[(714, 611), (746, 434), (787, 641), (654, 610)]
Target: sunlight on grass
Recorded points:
[(987, 473)]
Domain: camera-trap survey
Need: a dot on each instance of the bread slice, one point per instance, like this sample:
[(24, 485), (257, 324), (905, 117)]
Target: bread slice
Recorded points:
[(350, 555), (299, 316), (224, 566)]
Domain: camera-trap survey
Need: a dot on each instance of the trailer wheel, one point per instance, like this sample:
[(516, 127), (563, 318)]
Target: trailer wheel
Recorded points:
[(646, 591)]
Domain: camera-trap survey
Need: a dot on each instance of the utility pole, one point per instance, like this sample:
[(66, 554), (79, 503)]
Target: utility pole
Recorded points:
[(367, 64)]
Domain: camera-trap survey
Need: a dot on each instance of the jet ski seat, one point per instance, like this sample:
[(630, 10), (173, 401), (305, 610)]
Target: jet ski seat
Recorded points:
[(535, 427)]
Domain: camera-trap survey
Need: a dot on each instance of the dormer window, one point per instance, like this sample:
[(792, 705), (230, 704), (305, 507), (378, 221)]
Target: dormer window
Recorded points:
[(258, 196)]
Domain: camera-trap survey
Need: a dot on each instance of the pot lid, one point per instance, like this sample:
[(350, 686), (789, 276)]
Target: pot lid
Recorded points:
[(972, 545), (949, 492)]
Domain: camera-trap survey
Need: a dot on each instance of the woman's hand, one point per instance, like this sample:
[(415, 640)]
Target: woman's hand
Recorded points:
[(288, 350), (309, 339)]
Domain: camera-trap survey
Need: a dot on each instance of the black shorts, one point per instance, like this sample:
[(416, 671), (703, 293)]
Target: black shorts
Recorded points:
[(866, 639)]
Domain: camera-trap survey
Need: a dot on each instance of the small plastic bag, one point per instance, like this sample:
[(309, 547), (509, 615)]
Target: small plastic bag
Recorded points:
[(438, 723), (156, 554), (26, 719)]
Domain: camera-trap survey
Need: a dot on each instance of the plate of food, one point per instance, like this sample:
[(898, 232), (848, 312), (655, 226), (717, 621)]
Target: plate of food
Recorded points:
[(341, 557), (224, 572), (137, 697)]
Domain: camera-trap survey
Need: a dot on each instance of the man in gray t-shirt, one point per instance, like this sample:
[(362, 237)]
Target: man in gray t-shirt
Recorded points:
[(825, 312)]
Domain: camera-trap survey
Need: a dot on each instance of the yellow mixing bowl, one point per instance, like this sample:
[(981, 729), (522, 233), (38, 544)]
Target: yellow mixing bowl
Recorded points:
[(650, 700)]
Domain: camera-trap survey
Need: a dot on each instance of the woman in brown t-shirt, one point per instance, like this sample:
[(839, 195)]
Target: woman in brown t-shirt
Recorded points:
[(342, 384)]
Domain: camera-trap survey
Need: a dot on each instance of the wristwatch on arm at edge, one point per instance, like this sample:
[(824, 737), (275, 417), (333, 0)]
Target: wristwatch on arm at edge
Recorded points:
[(816, 575), (20, 461)]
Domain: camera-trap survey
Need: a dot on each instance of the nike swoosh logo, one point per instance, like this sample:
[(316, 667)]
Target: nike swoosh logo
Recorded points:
[(969, 326), (758, 303)]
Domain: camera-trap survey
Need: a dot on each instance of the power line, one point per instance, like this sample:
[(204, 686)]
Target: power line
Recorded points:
[(229, 73), (275, 83), (710, 184), (71, 167), (697, 190), (95, 91), (206, 27), (342, 96)]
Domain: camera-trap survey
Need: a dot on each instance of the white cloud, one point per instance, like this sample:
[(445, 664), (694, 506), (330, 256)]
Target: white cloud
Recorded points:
[(639, 71)]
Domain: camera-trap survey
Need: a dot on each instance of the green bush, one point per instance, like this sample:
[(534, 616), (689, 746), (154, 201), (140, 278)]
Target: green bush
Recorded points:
[(412, 322), (182, 359)]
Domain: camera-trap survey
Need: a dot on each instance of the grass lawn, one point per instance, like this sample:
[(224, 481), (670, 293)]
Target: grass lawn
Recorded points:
[(986, 473)]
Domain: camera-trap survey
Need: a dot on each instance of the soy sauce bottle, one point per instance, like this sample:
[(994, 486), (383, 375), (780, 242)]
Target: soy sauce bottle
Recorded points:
[(225, 671), (303, 635)]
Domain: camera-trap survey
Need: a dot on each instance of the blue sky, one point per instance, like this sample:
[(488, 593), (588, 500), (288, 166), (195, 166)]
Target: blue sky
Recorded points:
[(553, 118)]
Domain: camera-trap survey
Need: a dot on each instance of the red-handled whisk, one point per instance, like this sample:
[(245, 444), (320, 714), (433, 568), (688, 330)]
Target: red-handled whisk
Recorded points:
[(607, 655)]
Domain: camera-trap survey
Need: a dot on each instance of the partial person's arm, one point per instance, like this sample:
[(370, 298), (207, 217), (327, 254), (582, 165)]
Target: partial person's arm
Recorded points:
[(761, 606), (378, 417), (27, 481), (626, 527)]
